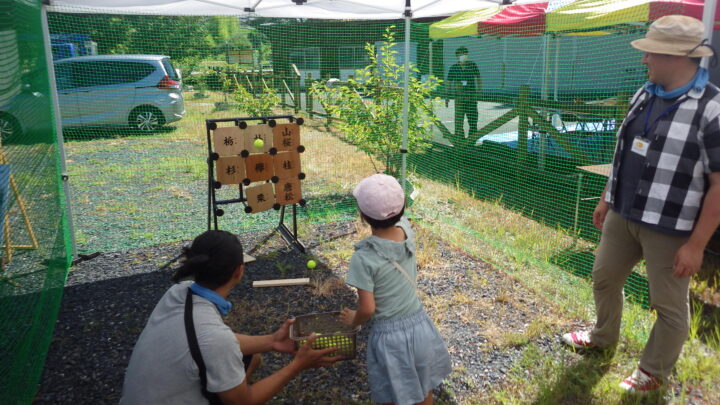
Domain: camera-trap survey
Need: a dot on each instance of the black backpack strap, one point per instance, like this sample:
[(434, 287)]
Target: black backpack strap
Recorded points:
[(195, 350)]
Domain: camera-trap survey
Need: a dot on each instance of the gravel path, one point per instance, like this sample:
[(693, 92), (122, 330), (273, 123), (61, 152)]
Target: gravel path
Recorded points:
[(109, 298)]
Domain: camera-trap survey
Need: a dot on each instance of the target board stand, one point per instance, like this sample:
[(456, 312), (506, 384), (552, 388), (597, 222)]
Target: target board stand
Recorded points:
[(267, 174)]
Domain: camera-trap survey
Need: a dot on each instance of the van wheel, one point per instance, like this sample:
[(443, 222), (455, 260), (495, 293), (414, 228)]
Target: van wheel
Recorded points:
[(9, 128), (146, 119)]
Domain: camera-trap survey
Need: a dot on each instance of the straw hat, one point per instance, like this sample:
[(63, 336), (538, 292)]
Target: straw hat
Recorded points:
[(674, 35)]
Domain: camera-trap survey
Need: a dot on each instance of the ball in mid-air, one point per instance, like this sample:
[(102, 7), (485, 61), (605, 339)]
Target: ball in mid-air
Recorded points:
[(311, 264), (258, 143)]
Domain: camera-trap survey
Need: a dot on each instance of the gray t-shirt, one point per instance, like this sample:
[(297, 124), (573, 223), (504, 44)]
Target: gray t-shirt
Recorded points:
[(161, 369), (371, 269)]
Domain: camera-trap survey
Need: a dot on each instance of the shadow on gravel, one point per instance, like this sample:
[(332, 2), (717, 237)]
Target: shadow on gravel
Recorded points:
[(576, 383), (96, 330)]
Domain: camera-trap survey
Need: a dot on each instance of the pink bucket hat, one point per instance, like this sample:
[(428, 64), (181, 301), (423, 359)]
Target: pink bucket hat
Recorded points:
[(379, 196)]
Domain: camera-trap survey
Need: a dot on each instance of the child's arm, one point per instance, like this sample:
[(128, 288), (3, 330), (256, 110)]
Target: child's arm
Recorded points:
[(365, 311)]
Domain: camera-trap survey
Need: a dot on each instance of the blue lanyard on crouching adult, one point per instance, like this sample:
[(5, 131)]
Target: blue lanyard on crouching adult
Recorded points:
[(221, 303)]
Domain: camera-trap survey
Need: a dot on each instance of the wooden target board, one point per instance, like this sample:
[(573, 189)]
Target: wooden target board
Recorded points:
[(265, 174), (270, 175)]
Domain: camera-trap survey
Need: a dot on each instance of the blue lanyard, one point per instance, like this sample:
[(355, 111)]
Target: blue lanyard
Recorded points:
[(646, 129)]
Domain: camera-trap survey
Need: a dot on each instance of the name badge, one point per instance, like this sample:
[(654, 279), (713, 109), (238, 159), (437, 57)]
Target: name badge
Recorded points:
[(464, 82), (640, 146)]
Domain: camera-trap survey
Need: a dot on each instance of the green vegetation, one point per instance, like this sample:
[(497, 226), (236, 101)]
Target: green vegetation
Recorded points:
[(370, 105)]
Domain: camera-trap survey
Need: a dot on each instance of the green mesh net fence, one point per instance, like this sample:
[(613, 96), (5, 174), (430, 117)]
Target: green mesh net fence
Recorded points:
[(35, 233), (520, 113)]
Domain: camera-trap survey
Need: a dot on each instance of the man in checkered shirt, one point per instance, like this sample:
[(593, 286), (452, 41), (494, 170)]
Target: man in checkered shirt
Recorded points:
[(662, 199)]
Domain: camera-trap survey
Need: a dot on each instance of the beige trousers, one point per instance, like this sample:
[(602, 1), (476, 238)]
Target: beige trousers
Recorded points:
[(622, 244)]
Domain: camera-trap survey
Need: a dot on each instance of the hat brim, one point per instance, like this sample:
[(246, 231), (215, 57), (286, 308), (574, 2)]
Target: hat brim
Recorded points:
[(655, 46)]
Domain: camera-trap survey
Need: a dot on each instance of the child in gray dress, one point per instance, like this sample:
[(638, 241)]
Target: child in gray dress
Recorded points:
[(406, 355)]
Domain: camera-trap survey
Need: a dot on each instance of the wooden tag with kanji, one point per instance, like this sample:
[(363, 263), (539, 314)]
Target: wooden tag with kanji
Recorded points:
[(261, 131), (259, 167), (260, 197), (288, 191), (286, 136), (228, 141), (287, 165), (230, 170)]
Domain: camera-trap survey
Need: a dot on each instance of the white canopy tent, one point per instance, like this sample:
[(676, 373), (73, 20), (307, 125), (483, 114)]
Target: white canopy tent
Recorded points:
[(318, 9)]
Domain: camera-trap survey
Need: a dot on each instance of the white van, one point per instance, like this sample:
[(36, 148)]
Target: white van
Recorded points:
[(142, 91)]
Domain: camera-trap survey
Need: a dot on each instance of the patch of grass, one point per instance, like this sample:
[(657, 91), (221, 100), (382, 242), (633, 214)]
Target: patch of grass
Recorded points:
[(327, 286), (81, 237), (515, 339), (283, 268), (428, 254), (142, 235)]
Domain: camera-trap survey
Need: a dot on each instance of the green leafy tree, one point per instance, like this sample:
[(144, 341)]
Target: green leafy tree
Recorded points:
[(255, 105), (178, 37), (370, 105)]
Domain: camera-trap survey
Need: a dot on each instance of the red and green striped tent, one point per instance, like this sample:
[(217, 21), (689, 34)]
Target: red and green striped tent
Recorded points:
[(562, 16)]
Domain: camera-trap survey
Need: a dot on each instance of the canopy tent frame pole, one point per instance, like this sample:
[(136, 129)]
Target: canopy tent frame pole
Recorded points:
[(709, 23), (544, 90), (406, 84), (52, 87), (557, 66)]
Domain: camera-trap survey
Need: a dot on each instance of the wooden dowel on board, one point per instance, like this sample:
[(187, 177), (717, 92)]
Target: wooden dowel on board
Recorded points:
[(281, 282)]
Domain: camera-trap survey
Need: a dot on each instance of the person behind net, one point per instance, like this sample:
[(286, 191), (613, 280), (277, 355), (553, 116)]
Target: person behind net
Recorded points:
[(406, 356), (662, 199), (186, 354), (465, 84)]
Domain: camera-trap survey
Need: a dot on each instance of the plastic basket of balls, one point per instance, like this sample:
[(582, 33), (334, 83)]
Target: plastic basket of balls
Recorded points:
[(330, 333)]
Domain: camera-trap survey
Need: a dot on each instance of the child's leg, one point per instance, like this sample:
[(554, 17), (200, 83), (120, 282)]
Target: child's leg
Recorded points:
[(428, 399)]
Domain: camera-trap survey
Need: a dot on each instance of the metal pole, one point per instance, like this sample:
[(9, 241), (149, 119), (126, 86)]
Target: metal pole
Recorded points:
[(557, 65), (709, 23), (544, 96), (406, 85), (58, 129)]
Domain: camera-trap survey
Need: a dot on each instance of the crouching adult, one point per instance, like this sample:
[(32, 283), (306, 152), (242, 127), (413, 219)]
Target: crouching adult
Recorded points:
[(187, 355)]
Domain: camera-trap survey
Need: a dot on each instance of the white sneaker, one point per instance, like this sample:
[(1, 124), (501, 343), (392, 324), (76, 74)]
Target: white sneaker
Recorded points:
[(641, 382), (578, 340)]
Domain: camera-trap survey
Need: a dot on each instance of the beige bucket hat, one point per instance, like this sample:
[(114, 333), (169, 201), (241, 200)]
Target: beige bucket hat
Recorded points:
[(675, 35)]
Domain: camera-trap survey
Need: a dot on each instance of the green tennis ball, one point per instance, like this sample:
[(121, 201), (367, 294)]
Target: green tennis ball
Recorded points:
[(258, 143), (311, 264)]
